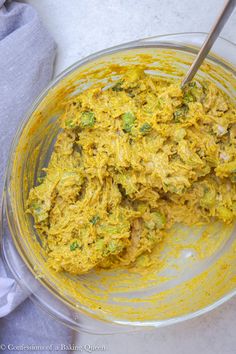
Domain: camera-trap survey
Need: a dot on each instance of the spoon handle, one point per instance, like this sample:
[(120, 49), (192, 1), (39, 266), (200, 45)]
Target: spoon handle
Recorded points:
[(212, 36)]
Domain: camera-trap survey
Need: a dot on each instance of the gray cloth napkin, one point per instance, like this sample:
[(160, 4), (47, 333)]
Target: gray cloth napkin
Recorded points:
[(27, 54)]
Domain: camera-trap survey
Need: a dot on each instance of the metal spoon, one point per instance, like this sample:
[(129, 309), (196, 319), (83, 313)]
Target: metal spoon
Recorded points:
[(212, 36)]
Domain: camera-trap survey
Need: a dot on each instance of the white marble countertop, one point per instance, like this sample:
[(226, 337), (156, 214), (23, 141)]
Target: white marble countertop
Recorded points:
[(81, 28)]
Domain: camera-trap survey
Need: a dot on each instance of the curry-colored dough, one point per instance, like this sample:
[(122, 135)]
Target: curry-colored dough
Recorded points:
[(133, 159)]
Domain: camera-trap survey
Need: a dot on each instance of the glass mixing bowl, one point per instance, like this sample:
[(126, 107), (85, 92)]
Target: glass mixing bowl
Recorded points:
[(198, 272)]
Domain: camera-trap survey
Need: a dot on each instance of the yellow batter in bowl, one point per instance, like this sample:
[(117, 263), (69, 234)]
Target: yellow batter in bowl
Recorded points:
[(133, 159), (157, 163)]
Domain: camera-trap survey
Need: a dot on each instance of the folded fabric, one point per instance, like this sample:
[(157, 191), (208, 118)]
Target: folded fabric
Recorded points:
[(11, 295), (27, 54)]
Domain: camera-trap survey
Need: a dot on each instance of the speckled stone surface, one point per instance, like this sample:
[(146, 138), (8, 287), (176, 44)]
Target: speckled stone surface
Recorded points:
[(81, 28)]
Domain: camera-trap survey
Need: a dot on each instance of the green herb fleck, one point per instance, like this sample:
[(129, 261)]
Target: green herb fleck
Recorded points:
[(188, 97), (130, 92), (87, 119), (128, 121), (118, 86), (94, 219), (233, 178), (145, 128), (180, 113), (157, 221), (192, 84), (37, 208), (113, 246), (74, 245), (38, 211), (40, 179), (69, 123), (160, 220), (191, 92), (160, 103)]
